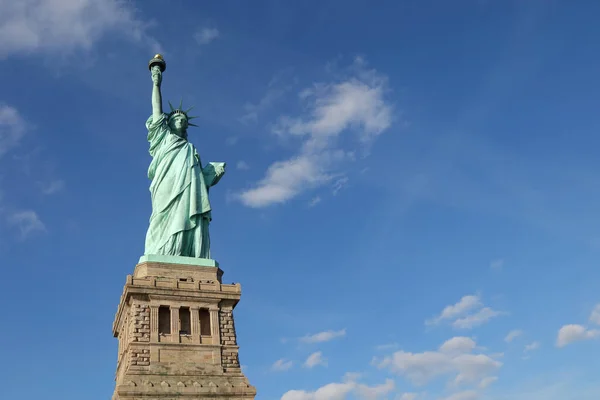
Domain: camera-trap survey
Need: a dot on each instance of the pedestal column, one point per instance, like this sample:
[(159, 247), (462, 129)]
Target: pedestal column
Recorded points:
[(153, 323), (175, 324), (195, 322), (215, 332)]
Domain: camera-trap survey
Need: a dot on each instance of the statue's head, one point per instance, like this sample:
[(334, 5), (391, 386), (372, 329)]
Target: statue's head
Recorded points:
[(179, 120), (179, 124)]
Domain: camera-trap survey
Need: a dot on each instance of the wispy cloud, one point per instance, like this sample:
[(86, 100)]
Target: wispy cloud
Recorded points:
[(12, 128), (323, 336), (464, 305), (497, 265), (407, 396), (352, 376), (52, 187), (595, 315), (529, 348), (206, 35), (532, 346), (27, 222), (60, 27), (487, 381), (479, 318), (355, 105), (467, 313), (339, 184), (464, 395), (386, 347), (282, 365), (315, 359), (242, 165), (512, 335), (314, 201)]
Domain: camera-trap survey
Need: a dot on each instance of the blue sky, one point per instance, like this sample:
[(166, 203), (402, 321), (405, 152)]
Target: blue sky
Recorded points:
[(411, 203)]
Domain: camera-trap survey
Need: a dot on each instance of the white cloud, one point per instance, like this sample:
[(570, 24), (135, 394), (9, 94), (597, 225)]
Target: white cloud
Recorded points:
[(407, 396), (315, 359), (595, 315), (282, 365), (206, 35), (574, 333), (27, 222), (457, 345), (341, 391), (355, 105), (512, 335), (332, 391), (340, 106), (375, 392), (464, 305), (52, 187), (352, 376), (464, 315), (62, 26), (454, 358), (387, 346), (242, 165), (284, 180), (231, 141), (479, 318), (466, 395), (314, 201), (531, 346), (324, 336), (339, 184), (497, 265), (12, 128), (487, 381)]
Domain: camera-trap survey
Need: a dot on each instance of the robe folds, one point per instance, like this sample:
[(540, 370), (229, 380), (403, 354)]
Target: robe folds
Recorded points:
[(181, 210)]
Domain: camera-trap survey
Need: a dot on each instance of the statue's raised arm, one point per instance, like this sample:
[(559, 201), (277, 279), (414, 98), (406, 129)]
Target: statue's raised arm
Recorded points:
[(157, 66)]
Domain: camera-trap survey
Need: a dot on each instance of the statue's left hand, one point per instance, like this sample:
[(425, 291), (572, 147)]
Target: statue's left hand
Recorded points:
[(220, 169)]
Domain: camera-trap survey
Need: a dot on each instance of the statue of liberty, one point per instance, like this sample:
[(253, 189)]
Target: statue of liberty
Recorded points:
[(179, 189)]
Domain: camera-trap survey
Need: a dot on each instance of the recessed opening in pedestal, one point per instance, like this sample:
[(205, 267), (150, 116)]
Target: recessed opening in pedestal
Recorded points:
[(204, 322), (185, 326), (164, 320)]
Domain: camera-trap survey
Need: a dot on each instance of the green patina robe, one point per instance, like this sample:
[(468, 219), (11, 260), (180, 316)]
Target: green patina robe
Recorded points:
[(181, 210)]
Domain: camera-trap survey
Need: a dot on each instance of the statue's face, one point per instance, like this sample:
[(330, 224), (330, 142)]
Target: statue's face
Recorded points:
[(179, 124)]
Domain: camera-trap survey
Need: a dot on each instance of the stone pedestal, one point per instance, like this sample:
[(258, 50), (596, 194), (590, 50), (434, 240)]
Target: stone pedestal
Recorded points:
[(177, 335)]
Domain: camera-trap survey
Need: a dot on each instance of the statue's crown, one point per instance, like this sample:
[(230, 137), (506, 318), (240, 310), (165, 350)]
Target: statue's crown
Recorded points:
[(179, 111)]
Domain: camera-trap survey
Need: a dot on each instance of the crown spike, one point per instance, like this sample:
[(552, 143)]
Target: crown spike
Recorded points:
[(190, 124), (171, 106), (192, 117), (180, 104), (189, 109)]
